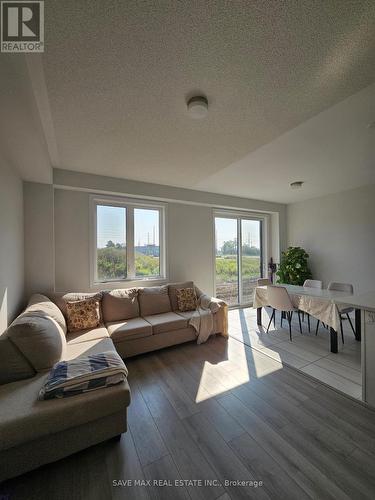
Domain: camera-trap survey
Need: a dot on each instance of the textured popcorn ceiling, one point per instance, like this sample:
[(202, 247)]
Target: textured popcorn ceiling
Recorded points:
[(118, 74)]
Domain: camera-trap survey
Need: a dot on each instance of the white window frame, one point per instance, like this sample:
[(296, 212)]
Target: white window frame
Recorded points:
[(129, 204)]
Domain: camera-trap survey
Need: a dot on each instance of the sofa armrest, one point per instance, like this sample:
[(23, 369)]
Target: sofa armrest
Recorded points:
[(219, 309), (212, 303)]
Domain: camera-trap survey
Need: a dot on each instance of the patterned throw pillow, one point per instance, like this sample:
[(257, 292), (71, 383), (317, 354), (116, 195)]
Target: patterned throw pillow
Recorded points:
[(83, 314), (186, 299)]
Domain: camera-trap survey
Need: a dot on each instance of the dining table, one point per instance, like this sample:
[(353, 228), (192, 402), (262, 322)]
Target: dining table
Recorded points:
[(324, 305)]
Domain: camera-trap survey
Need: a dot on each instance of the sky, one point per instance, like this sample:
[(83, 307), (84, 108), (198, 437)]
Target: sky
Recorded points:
[(226, 230), (112, 223)]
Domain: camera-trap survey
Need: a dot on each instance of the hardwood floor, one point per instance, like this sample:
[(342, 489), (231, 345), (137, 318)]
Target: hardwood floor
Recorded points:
[(218, 414), (307, 352)]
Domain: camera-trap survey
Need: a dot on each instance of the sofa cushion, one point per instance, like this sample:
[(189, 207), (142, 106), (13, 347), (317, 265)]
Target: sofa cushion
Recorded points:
[(172, 290), (86, 335), (23, 418), (154, 300), (133, 328), (166, 322), (83, 314), (186, 314), (120, 304), (41, 304), (39, 338), (13, 364), (96, 346)]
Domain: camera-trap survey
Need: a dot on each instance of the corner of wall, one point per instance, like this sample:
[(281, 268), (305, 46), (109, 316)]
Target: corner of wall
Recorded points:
[(11, 245), (39, 237)]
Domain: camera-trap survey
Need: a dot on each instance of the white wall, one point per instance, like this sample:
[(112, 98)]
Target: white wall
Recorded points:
[(11, 245), (72, 242), (338, 231), (39, 238), (190, 245), (104, 184), (190, 235), (23, 155)]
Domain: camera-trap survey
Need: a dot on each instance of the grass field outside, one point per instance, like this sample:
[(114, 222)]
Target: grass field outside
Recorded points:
[(227, 277), (112, 265)]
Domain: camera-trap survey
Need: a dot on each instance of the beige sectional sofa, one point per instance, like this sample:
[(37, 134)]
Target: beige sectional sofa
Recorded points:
[(133, 321)]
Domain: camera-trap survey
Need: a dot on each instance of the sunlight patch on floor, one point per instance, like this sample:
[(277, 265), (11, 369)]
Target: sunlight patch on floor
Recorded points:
[(242, 365)]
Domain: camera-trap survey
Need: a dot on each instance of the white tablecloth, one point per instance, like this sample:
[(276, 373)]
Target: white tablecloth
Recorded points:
[(318, 303)]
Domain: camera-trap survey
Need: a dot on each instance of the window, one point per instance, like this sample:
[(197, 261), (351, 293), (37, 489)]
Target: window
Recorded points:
[(129, 240)]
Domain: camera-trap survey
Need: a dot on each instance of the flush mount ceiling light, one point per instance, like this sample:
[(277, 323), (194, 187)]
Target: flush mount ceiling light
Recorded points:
[(197, 107), (296, 184)]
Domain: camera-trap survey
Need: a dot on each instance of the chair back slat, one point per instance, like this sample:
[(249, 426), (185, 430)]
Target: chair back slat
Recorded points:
[(313, 284), (341, 287)]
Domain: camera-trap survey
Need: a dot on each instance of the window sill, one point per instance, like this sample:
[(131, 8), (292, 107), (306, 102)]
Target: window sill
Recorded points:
[(128, 283)]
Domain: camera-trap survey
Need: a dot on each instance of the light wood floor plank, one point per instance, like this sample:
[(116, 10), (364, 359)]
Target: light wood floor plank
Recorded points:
[(312, 419), (147, 440), (342, 425), (122, 463), (215, 413), (222, 458), (186, 455), (178, 397), (164, 470), (343, 470), (308, 477), (265, 467)]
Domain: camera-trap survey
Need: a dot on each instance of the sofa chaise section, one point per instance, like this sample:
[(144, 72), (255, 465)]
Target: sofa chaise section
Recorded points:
[(33, 432)]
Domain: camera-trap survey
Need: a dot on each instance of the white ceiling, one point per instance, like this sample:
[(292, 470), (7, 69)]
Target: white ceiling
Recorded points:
[(22, 143), (118, 74), (333, 151)]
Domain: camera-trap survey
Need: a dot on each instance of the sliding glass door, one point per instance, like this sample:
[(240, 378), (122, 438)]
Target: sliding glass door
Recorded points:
[(238, 257)]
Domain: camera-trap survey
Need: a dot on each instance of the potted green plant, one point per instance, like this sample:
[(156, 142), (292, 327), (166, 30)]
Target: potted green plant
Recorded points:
[(293, 268)]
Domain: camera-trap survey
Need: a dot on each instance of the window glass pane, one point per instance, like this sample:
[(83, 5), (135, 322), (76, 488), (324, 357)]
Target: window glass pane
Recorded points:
[(250, 255), (146, 241), (111, 242), (226, 260)]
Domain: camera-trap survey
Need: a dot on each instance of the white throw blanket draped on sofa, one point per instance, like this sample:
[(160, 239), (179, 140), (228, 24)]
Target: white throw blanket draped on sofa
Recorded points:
[(202, 320)]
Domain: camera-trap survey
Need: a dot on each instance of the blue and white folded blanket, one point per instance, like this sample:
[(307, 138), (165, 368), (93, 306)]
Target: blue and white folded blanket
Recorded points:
[(83, 374)]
